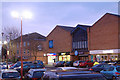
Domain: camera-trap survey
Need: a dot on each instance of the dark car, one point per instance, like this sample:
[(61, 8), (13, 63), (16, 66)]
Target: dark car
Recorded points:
[(60, 64), (18, 64), (27, 67), (99, 67), (86, 64), (69, 63), (73, 75)]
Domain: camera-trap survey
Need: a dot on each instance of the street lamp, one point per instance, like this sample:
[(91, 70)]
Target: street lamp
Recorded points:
[(28, 15)]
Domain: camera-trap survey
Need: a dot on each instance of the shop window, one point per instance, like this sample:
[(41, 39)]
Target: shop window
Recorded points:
[(50, 43)]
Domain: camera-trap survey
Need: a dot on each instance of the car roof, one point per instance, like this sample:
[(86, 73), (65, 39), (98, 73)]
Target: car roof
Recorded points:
[(9, 70), (65, 68), (33, 70)]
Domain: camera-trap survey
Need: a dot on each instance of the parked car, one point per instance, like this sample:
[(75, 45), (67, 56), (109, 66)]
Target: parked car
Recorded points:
[(18, 64), (73, 75), (69, 63), (27, 67), (34, 74), (99, 67), (60, 64), (76, 63), (9, 74), (55, 63), (38, 62), (86, 64), (113, 72)]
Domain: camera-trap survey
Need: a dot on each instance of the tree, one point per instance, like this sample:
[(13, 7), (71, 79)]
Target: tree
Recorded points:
[(11, 33), (35, 48)]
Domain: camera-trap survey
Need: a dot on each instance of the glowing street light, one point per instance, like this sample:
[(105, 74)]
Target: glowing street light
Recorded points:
[(27, 15)]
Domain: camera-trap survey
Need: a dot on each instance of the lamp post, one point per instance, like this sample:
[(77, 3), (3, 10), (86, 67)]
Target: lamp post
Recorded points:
[(24, 15)]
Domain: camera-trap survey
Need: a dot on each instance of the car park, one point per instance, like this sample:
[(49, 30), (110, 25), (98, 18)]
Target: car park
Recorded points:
[(99, 67), (86, 64), (113, 72), (73, 75), (34, 74), (9, 74)]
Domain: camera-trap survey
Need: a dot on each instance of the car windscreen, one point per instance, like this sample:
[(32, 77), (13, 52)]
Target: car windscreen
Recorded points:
[(10, 75), (38, 74)]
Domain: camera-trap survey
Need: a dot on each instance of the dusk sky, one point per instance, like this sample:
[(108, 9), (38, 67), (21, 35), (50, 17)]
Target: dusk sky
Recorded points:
[(46, 15)]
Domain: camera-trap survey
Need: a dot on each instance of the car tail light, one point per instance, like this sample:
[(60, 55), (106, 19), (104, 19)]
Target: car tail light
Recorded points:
[(117, 73), (91, 69), (43, 67)]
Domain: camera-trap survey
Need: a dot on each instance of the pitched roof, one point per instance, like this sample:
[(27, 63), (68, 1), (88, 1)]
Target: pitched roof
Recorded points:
[(32, 36), (84, 27), (113, 14), (67, 28)]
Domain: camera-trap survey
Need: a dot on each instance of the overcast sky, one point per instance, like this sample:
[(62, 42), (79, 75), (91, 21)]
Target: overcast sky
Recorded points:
[(46, 15)]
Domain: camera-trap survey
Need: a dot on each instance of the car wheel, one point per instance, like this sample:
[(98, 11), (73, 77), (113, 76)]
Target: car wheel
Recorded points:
[(113, 78)]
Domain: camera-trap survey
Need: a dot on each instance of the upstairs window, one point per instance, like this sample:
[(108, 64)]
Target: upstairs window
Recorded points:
[(24, 43), (50, 43)]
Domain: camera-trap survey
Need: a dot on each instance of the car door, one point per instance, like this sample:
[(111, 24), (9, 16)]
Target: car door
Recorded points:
[(109, 72)]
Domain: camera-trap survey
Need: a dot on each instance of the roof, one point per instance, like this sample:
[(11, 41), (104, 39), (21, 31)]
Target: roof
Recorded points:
[(32, 36), (113, 14), (33, 70), (84, 27), (9, 70), (67, 28)]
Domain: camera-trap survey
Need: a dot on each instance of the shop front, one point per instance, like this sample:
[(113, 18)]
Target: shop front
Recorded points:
[(84, 56), (105, 55), (65, 56), (51, 58)]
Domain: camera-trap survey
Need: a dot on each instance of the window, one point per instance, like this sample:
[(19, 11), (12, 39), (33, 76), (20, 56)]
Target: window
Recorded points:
[(39, 47), (24, 51), (50, 43), (24, 43), (28, 51), (17, 51), (28, 43), (111, 69)]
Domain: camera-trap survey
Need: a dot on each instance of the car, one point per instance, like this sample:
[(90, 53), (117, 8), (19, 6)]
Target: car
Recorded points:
[(18, 64), (55, 63), (27, 67), (34, 74), (9, 74), (86, 64), (60, 64), (113, 72), (72, 75), (76, 63), (69, 63), (99, 67)]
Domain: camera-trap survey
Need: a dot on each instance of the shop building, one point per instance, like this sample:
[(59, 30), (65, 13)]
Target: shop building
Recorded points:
[(80, 43), (104, 38), (59, 44)]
